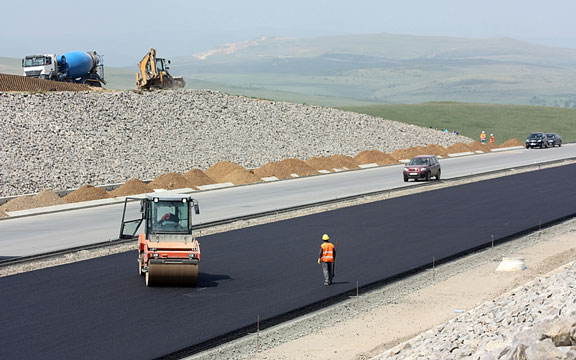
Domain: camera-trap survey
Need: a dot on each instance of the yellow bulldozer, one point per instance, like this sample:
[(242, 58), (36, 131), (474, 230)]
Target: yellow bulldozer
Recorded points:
[(154, 74)]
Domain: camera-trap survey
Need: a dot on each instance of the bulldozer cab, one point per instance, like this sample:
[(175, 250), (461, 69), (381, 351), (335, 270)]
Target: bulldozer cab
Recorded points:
[(167, 214)]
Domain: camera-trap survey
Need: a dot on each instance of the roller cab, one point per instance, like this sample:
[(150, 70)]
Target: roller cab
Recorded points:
[(168, 253)]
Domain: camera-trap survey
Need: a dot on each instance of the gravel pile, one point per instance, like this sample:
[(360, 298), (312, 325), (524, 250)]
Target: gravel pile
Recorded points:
[(67, 140), (537, 321)]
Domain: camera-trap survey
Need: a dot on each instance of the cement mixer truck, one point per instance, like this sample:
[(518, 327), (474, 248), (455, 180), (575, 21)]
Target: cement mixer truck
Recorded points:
[(76, 66)]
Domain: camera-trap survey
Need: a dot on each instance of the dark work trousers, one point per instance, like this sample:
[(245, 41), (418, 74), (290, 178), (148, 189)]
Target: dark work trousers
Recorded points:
[(328, 270)]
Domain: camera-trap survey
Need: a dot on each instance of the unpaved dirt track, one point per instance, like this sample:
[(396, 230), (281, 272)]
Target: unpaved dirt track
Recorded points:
[(22, 83)]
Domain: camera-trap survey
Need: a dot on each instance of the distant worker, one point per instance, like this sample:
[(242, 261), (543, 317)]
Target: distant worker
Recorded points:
[(492, 138), (483, 137), (327, 258)]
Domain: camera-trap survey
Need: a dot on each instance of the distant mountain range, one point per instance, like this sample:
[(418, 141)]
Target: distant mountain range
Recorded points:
[(380, 68)]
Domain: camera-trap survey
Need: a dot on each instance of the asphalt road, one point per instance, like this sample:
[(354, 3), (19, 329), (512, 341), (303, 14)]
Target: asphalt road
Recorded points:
[(44, 233), (100, 309)]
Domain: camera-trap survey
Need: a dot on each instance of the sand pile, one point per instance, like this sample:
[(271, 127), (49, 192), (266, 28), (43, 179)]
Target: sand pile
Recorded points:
[(320, 163), (409, 153), (48, 198), (478, 146), (23, 202), (240, 177), (221, 169), (458, 148), (343, 161), (295, 166), (3, 214), (86, 193), (512, 142), (284, 169), (435, 149), (170, 181), (131, 187), (197, 177), (267, 170), (374, 156)]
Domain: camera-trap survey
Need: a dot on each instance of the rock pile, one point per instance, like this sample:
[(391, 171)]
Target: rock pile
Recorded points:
[(67, 140), (532, 322)]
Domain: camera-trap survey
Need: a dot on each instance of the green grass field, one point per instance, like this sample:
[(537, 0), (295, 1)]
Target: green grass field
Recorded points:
[(504, 121)]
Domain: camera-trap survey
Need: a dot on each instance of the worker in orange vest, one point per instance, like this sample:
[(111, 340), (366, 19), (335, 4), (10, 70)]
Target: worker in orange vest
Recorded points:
[(492, 139), (483, 137), (327, 258)]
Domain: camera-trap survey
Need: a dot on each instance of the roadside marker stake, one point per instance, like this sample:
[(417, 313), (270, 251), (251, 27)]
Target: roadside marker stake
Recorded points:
[(356, 289), (492, 236), (433, 268), (539, 224), (257, 332)]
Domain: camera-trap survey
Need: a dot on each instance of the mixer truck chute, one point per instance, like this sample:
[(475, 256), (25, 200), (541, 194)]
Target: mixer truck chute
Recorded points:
[(75, 66), (154, 74), (168, 254)]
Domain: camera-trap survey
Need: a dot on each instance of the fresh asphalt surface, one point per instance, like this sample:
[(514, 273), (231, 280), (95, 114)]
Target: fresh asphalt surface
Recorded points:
[(101, 309), (43, 233)]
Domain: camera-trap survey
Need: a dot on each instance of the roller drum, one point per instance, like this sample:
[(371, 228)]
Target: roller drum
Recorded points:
[(176, 274)]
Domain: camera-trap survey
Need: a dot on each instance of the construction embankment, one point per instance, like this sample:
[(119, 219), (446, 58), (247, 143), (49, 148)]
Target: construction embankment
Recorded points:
[(66, 140), (34, 85)]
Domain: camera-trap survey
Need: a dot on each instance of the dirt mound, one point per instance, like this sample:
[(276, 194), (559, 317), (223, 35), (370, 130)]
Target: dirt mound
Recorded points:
[(131, 187), (458, 148), (170, 181), (435, 149), (221, 169), (23, 202), (48, 198), (343, 161), (86, 193), (284, 169), (512, 142), (374, 156), (3, 214), (409, 153), (240, 177), (478, 146), (197, 177), (267, 170), (320, 163), (22, 83)]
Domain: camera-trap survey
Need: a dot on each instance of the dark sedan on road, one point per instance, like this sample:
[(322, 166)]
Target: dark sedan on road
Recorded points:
[(422, 167), (553, 139), (536, 139)]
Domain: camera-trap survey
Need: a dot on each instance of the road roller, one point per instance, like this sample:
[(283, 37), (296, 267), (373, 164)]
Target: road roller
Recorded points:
[(168, 253)]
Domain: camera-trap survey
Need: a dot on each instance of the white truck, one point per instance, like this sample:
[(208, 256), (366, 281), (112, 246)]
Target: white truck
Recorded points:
[(75, 66)]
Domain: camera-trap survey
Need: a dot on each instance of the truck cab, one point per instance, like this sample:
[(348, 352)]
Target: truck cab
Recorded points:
[(41, 66)]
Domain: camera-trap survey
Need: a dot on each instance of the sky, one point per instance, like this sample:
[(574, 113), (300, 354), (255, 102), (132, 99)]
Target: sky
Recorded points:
[(123, 31)]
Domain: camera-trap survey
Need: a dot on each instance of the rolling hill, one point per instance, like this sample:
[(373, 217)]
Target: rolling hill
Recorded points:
[(384, 68)]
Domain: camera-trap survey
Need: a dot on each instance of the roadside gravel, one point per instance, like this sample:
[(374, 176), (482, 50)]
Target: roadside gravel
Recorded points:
[(66, 140)]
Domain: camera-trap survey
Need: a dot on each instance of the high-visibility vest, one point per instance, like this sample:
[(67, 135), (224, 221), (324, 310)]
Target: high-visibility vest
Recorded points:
[(327, 252), (492, 139), (482, 136)]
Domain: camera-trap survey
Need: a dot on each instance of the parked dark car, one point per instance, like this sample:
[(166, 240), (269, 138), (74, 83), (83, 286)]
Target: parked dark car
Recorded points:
[(554, 139), (537, 139), (422, 167)]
